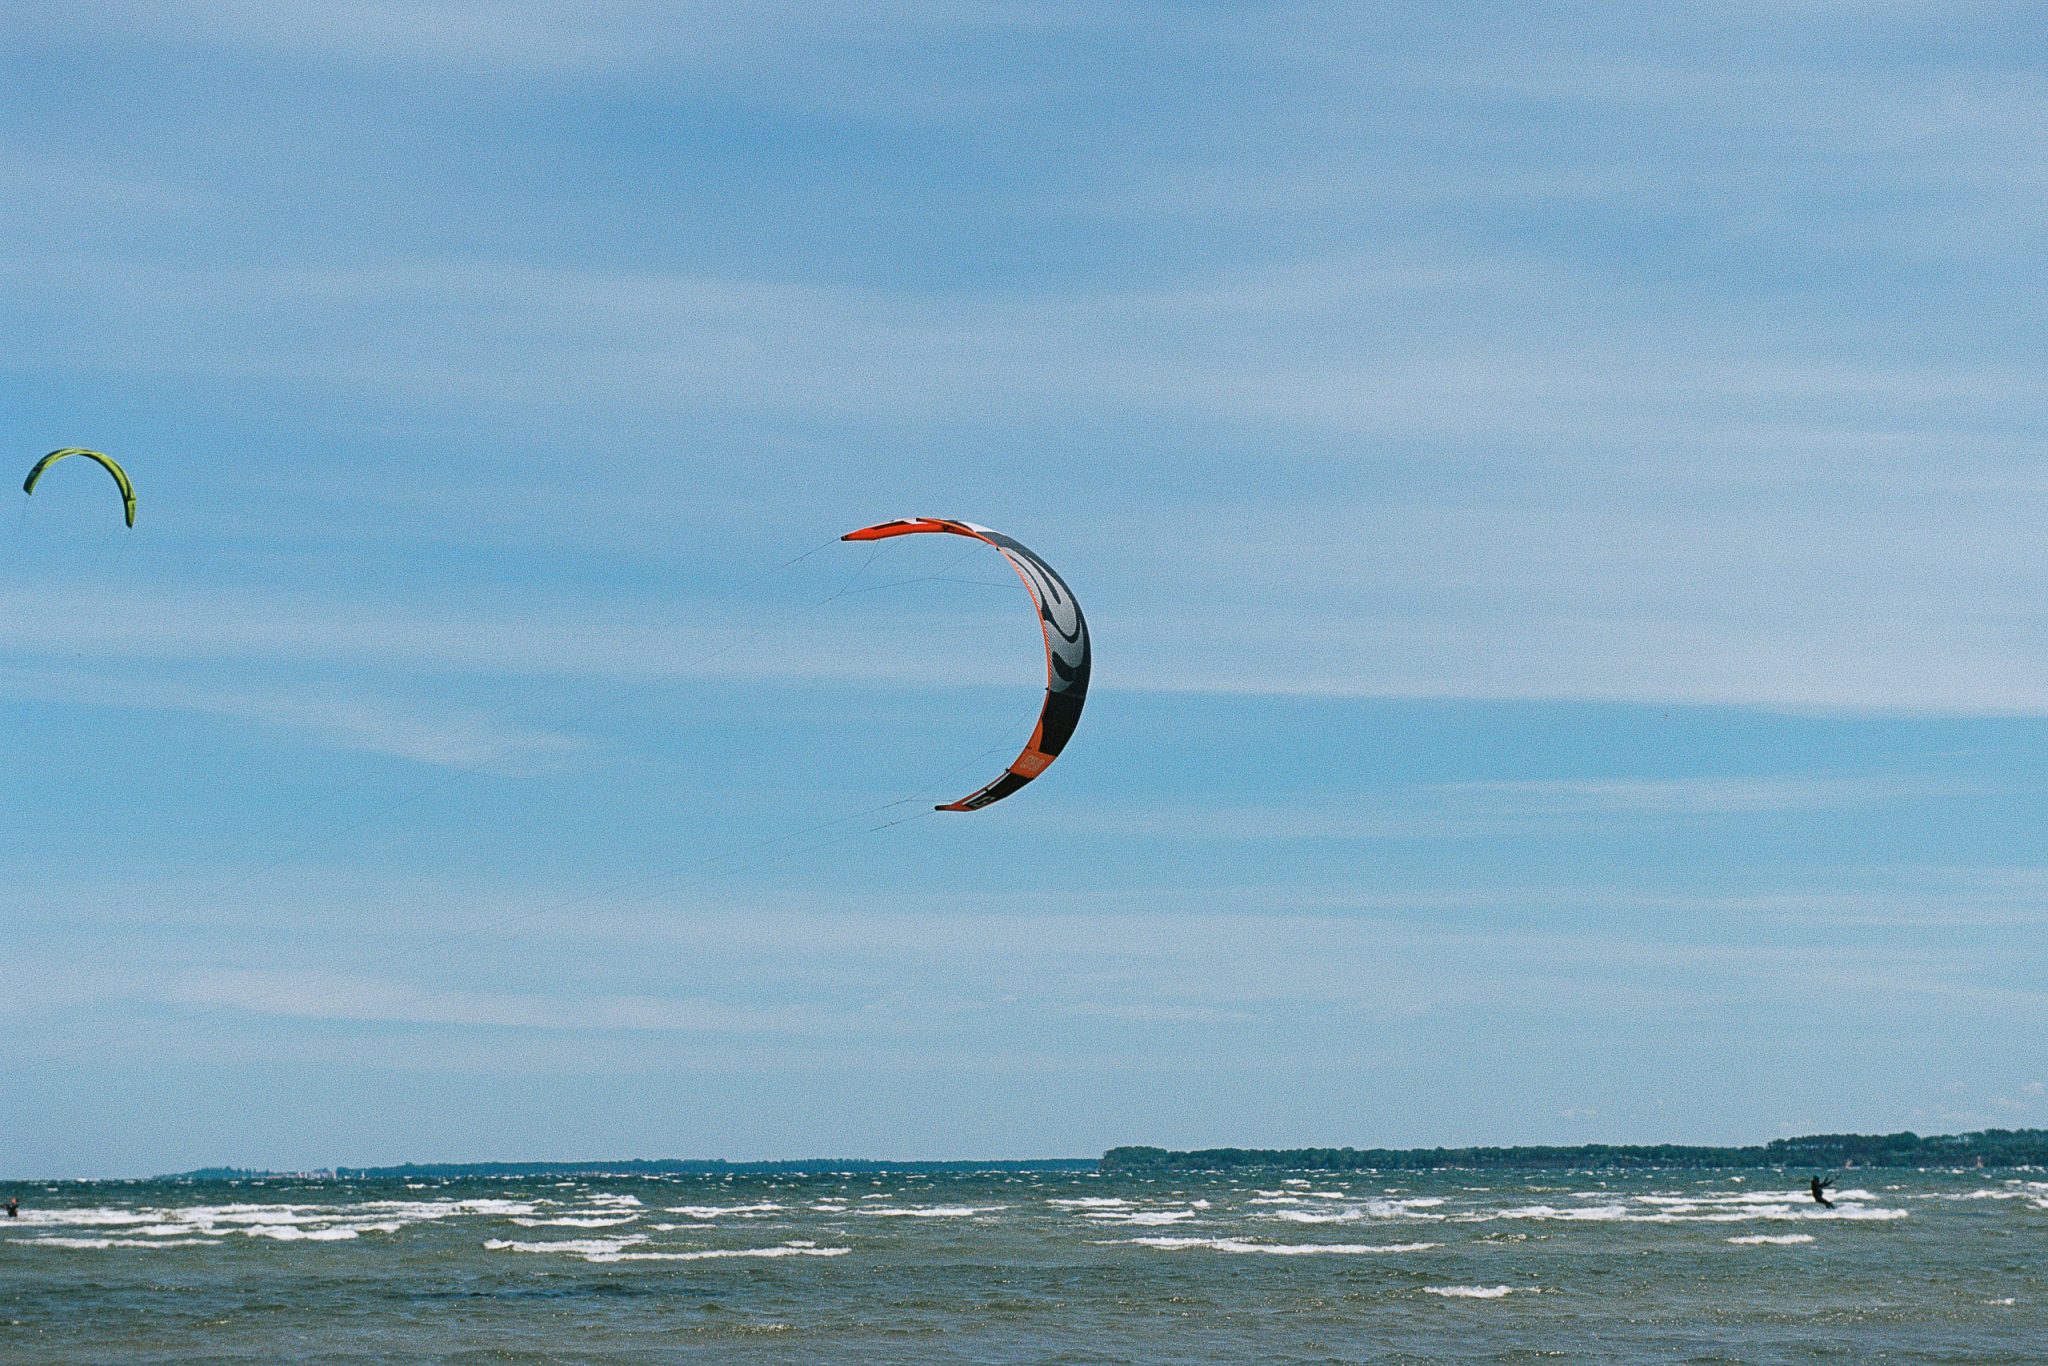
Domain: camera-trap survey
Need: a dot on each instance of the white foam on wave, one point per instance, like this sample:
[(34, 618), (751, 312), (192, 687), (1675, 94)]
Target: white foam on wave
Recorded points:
[(95, 1217), (634, 1249), (1302, 1216), (1139, 1216), (573, 1221), (1279, 1249), (1977, 1195), (1707, 1210), (56, 1240), (716, 1254), (578, 1247), (282, 1222), (721, 1211), (1477, 1292), (1090, 1202), (293, 1233), (929, 1211), (1772, 1239), (2035, 1193)]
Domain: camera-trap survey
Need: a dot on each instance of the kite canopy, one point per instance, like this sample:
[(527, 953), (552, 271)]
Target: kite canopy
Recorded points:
[(1066, 650), (28, 485)]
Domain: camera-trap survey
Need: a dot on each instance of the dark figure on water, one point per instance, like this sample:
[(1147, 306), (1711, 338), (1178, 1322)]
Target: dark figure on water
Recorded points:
[(1818, 1186), (13, 1208)]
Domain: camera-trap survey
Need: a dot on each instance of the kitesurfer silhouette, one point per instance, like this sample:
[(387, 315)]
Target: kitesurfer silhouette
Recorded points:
[(1817, 1185)]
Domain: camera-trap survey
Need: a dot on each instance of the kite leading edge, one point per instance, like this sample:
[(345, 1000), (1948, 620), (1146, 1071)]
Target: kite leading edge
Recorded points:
[(106, 462), (1067, 652)]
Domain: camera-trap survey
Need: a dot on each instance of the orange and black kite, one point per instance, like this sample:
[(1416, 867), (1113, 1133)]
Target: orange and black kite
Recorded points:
[(1066, 650)]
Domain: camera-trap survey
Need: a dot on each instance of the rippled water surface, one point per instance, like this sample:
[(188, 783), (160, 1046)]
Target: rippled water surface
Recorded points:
[(1702, 1267)]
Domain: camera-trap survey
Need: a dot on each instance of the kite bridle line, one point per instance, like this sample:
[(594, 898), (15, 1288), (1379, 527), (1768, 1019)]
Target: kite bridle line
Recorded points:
[(846, 588), (643, 882), (450, 777)]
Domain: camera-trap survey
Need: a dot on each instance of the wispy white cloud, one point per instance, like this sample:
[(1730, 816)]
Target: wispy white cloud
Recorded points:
[(1468, 810), (342, 718), (1317, 345), (1698, 796), (343, 997)]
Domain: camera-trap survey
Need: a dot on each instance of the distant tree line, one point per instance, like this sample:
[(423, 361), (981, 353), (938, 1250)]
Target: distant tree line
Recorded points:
[(1989, 1148), (642, 1166)]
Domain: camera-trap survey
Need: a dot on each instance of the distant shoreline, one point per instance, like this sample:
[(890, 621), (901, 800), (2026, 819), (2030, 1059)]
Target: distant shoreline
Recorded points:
[(1986, 1148)]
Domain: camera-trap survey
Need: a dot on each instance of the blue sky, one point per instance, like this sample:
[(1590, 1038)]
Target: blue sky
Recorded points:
[(1558, 494)]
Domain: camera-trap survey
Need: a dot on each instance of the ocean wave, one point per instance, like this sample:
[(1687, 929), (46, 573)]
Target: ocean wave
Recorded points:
[(57, 1240), (293, 1233), (633, 1249), (574, 1221), (1089, 1202), (1302, 1216), (95, 1217), (283, 1222), (929, 1211), (1772, 1239), (715, 1254), (580, 1247), (1279, 1249), (720, 1211), (1141, 1216), (1701, 1212), (1477, 1292)]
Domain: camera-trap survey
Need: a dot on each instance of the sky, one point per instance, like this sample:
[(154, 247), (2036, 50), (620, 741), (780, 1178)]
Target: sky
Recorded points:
[(1557, 492)]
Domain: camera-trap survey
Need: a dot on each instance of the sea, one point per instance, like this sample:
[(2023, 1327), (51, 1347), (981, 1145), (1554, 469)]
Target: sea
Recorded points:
[(1574, 1266)]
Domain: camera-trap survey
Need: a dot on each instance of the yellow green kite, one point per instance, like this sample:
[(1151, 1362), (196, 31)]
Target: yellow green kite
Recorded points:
[(106, 462)]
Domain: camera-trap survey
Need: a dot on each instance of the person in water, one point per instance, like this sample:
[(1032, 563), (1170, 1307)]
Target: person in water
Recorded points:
[(13, 1208), (1818, 1186)]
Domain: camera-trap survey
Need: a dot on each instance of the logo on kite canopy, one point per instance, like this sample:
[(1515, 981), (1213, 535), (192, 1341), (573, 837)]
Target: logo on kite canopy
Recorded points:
[(1067, 652)]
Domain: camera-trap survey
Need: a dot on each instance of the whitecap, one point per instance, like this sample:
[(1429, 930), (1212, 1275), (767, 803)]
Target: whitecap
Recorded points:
[(1474, 1292), (292, 1233), (54, 1240), (1238, 1245), (571, 1221), (96, 1216), (580, 1247), (713, 1254), (1772, 1239), (719, 1211), (930, 1211), (1300, 1216), (1145, 1216)]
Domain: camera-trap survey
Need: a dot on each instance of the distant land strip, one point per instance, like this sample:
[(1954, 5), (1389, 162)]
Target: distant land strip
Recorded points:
[(1985, 1148), (644, 1166)]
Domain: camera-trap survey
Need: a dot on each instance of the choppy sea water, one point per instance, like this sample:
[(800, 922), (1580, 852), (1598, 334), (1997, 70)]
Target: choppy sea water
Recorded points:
[(1033, 1267)]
